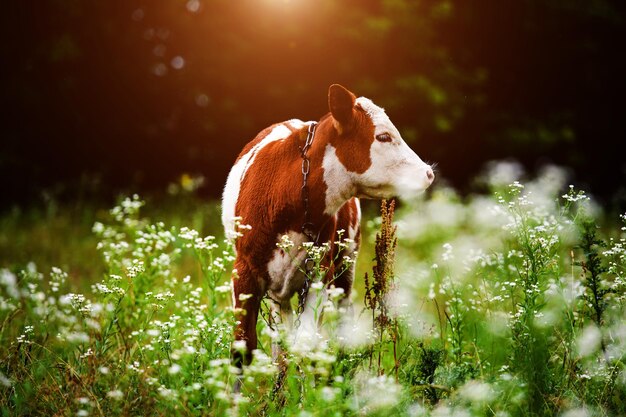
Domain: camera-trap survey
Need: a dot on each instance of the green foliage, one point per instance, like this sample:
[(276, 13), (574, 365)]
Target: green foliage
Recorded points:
[(510, 303)]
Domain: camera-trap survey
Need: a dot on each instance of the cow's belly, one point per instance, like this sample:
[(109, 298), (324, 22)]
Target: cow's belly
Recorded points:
[(285, 268), (286, 265)]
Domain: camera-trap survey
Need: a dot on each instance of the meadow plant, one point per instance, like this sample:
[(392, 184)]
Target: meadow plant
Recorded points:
[(519, 308), (377, 291), (509, 303), (143, 336)]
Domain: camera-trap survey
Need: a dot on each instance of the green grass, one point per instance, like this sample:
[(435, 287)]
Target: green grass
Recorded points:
[(504, 304)]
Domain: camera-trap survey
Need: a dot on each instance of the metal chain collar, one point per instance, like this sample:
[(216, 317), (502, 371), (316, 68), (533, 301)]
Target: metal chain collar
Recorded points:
[(307, 225)]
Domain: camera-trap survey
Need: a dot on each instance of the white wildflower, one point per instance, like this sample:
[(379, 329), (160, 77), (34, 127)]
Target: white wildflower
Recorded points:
[(239, 345), (4, 381), (589, 341), (174, 369), (318, 285), (335, 292), (577, 412), (477, 392), (115, 394)]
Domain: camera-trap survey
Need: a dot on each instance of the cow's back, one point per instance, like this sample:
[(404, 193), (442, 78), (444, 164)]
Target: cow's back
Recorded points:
[(246, 159)]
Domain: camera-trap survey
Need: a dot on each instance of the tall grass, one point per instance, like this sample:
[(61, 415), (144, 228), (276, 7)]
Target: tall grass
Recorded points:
[(509, 303)]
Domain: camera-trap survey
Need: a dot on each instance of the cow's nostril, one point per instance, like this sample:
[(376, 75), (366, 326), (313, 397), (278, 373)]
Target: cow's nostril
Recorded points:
[(430, 174)]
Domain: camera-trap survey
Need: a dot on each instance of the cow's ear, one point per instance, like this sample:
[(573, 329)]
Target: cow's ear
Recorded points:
[(341, 105)]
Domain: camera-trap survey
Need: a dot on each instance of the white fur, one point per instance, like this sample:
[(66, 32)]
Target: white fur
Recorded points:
[(339, 182), (395, 169), (284, 268), (379, 118), (358, 218), (296, 123), (352, 230)]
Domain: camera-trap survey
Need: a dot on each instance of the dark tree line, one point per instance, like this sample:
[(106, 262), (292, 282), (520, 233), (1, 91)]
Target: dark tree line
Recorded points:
[(133, 93)]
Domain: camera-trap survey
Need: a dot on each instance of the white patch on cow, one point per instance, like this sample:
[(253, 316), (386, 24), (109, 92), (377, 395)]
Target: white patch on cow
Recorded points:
[(284, 268), (395, 168), (352, 234), (297, 123), (339, 181), (238, 172), (353, 228), (382, 123)]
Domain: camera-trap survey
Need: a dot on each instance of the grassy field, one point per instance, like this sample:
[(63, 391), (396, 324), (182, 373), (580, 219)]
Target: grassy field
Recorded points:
[(508, 303)]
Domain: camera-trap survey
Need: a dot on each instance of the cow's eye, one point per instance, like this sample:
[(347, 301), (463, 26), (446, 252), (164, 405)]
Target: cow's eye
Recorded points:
[(383, 137)]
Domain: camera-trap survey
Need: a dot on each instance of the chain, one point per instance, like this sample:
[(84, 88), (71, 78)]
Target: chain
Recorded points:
[(307, 225)]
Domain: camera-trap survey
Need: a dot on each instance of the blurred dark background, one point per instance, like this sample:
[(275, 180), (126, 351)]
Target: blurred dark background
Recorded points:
[(101, 95)]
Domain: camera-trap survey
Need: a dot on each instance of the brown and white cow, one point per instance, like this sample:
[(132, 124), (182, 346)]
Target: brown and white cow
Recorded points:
[(356, 153)]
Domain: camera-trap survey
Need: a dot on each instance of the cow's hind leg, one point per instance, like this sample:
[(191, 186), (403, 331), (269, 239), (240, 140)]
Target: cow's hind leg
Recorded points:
[(247, 295), (282, 322)]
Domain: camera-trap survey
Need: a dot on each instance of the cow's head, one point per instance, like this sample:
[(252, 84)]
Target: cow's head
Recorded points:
[(375, 160)]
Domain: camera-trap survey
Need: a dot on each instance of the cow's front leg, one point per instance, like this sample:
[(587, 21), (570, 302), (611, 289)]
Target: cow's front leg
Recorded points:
[(308, 323), (344, 280), (282, 319)]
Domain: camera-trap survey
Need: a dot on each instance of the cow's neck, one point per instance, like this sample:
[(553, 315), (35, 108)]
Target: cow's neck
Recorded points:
[(330, 184), (321, 213), (338, 183)]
